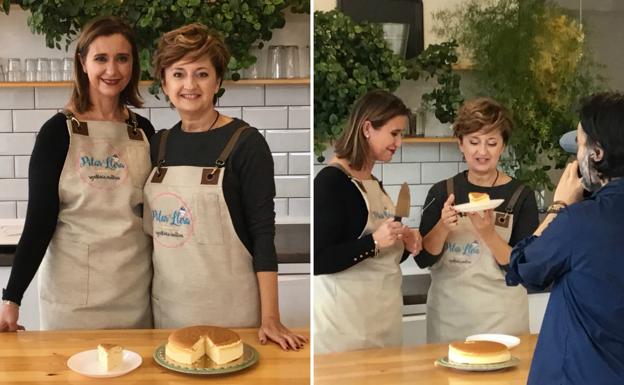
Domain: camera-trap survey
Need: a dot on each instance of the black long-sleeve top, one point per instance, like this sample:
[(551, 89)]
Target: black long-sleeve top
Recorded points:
[(248, 183), (525, 214), (44, 172), (340, 215)]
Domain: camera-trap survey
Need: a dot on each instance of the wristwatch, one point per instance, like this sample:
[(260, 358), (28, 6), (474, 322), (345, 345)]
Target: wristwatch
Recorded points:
[(555, 207)]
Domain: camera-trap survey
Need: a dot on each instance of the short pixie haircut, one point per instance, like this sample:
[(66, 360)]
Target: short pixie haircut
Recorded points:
[(483, 114), (376, 107), (104, 26), (602, 119), (193, 42)]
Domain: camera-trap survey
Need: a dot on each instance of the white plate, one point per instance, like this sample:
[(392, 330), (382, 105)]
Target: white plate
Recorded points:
[(479, 206), (505, 339), (87, 364)]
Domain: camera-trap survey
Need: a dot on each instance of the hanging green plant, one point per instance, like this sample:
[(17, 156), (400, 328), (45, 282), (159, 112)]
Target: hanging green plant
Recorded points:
[(531, 56), (352, 58), (241, 22), (436, 61)]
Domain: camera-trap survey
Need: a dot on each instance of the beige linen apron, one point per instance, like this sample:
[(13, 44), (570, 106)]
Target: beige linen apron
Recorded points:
[(362, 307), (97, 269), (203, 273), (468, 294)]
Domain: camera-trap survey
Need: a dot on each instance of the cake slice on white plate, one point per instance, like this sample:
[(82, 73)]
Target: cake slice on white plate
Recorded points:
[(109, 356)]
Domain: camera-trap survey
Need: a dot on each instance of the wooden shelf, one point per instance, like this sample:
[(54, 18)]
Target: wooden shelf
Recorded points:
[(242, 82), (434, 139)]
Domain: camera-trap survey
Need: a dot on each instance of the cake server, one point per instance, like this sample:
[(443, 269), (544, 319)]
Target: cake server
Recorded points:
[(403, 203)]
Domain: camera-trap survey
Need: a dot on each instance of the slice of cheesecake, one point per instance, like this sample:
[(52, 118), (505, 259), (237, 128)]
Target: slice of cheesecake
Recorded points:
[(109, 356)]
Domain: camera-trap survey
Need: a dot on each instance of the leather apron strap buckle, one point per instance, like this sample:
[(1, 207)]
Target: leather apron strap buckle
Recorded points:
[(133, 127), (78, 127), (159, 175), (210, 176)]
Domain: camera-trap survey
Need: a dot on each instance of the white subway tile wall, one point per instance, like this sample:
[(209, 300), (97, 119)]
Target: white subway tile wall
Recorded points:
[(281, 113), (420, 165)]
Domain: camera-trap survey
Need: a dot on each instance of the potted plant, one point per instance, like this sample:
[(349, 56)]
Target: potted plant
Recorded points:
[(532, 57)]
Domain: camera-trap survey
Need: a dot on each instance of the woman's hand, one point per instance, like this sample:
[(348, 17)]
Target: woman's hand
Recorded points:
[(388, 233), (483, 223), (412, 240), (272, 329), (569, 190), (449, 216), (9, 313)]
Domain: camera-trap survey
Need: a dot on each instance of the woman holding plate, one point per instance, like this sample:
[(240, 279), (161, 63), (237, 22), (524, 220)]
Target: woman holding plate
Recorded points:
[(467, 246)]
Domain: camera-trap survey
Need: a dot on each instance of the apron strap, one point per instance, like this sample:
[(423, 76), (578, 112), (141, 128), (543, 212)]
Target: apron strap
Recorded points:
[(162, 149), (450, 187), (209, 175), (348, 174), (133, 127), (514, 199), (227, 150), (77, 127)]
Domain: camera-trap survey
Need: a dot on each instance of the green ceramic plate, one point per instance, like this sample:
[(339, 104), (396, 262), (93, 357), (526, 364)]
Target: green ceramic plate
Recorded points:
[(477, 368), (206, 366)]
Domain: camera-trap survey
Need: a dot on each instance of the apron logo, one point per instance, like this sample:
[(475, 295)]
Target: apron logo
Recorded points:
[(172, 220), (463, 253), (177, 217), (101, 166), (382, 215)]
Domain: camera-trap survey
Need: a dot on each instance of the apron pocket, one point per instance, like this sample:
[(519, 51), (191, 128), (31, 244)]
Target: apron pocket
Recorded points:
[(208, 225), (65, 273), (139, 164)]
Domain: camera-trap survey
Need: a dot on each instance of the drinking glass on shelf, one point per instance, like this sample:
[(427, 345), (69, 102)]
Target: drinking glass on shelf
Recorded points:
[(56, 70), (283, 61), (14, 73), (43, 69), (256, 70), (30, 72), (2, 75), (304, 62), (291, 61), (274, 66), (68, 69)]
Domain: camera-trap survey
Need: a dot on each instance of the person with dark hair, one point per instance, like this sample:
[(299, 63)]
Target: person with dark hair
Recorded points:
[(468, 253), (577, 250), (357, 244), (209, 201), (86, 175)]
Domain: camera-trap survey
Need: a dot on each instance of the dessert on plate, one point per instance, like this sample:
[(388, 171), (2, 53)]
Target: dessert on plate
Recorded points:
[(110, 356), (478, 352), (476, 197), (189, 345)]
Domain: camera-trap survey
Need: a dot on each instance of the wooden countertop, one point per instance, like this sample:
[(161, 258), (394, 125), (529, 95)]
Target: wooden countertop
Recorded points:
[(40, 357), (414, 365)]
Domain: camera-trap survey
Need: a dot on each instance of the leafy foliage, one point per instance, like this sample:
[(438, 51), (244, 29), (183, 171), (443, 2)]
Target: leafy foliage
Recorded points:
[(352, 58), (530, 56), (241, 22)]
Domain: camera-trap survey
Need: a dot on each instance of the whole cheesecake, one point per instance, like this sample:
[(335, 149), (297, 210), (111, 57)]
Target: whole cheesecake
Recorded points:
[(189, 345), (478, 352)]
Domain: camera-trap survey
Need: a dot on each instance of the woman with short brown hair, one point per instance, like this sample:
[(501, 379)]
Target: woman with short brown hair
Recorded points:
[(209, 201), (86, 175), (468, 254)]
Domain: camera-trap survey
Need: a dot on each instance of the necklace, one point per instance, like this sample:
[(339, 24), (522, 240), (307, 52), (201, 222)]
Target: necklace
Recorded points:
[(493, 183), (217, 118)]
